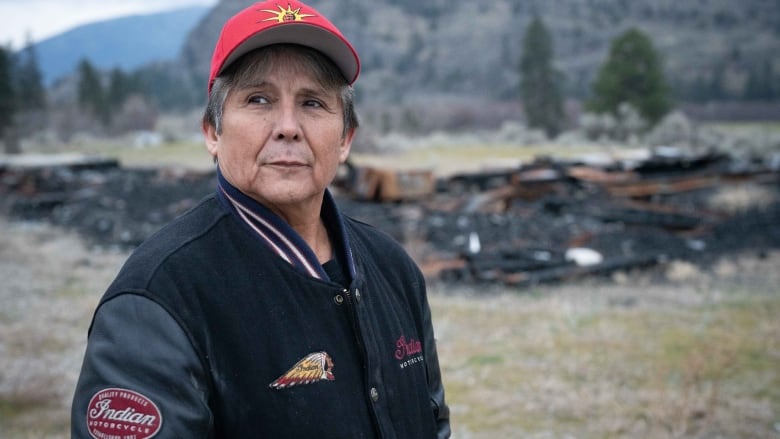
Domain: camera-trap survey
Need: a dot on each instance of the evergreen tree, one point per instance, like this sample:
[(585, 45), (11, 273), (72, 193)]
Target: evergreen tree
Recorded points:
[(8, 101), (714, 87), (760, 83), (540, 83), (168, 86), (632, 74), (31, 94), (119, 88), (91, 94)]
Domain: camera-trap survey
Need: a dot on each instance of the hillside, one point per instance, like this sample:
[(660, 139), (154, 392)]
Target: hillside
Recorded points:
[(446, 47), (128, 42), (454, 64)]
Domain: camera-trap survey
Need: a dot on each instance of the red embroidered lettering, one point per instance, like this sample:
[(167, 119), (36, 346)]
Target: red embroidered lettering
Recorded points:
[(406, 349)]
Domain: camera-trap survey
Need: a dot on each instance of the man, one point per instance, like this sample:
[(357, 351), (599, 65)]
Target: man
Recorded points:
[(264, 312)]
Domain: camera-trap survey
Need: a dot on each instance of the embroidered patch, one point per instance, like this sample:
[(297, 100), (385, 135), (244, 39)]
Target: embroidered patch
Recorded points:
[(408, 352), (317, 366), (122, 413), (289, 14)]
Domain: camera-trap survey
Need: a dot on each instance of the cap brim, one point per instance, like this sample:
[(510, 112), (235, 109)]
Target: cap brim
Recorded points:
[(335, 48)]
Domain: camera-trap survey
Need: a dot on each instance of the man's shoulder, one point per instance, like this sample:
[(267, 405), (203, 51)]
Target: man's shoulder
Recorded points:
[(192, 232), (191, 225)]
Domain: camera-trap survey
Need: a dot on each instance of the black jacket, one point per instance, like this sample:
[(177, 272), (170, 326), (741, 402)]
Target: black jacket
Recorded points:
[(206, 333)]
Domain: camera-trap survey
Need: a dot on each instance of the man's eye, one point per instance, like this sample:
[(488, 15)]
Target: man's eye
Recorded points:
[(258, 100), (312, 103)]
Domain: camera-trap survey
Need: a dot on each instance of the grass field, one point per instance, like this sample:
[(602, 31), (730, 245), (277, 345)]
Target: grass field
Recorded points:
[(443, 160), (768, 127), (615, 360), (444, 154)]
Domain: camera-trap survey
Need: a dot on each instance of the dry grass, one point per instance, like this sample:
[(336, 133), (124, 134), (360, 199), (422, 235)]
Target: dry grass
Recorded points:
[(50, 286), (693, 356), (192, 155), (447, 159), (443, 159), (603, 360)]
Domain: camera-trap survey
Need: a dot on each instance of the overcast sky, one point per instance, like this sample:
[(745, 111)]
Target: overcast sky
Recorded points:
[(43, 18)]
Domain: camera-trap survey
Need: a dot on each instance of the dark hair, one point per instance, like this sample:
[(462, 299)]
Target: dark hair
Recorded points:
[(260, 61)]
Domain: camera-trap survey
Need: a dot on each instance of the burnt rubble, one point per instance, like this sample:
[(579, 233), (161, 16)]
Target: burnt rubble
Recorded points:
[(107, 204), (547, 221)]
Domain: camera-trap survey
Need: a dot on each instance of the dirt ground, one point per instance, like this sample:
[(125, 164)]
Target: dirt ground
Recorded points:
[(678, 352)]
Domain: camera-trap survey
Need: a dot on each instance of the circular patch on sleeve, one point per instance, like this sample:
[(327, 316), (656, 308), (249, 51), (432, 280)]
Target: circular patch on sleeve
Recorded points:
[(120, 413)]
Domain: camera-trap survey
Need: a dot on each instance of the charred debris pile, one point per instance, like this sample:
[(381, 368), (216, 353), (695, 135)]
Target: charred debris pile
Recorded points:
[(546, 221), (108, 204)]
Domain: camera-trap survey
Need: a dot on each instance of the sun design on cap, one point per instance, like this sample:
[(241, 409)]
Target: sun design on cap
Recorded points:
[(289, 14)]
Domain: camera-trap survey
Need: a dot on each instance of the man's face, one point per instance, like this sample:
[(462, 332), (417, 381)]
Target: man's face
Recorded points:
[(282, 138)]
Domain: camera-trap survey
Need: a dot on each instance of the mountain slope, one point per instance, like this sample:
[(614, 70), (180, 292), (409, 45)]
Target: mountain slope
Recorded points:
[(127, 42), (463, 48), (457, 49)]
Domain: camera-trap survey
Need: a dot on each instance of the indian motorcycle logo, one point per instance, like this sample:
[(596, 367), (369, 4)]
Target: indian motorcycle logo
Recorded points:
[(312, 368), (408, 352), (122, 414)]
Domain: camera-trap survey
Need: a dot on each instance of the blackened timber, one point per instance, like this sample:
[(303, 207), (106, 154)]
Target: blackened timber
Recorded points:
[(677, 221), (662, 186), (571, 271), (514, 261), (668, 163)]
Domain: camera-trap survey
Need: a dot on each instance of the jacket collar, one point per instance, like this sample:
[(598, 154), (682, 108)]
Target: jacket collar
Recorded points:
[(278, 236)]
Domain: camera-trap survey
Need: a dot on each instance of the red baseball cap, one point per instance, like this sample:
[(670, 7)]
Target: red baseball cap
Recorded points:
[(282, 21)]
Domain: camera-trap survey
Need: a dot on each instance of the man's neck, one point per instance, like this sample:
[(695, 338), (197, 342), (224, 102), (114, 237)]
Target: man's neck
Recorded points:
[(316, 236)]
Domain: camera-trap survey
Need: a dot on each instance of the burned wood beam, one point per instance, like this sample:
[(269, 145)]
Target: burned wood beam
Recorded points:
[(377, 184), (671, 161), (464, 183), (676, 221), (676, 185), (443, 268), (666, 186), (600, 176), (514, 261), (572, 271)]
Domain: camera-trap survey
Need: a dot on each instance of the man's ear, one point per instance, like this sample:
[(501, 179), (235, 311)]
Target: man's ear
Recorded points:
[(211, 137), (346, 145)]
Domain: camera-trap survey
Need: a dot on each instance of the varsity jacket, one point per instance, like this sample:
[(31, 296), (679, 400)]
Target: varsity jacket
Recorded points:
[(222, 325)]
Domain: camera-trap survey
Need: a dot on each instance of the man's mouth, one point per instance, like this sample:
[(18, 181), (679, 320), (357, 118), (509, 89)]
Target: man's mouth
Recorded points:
[(287, 164)]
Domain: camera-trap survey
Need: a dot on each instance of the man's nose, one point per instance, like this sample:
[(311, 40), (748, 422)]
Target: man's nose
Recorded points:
[(288, 124)]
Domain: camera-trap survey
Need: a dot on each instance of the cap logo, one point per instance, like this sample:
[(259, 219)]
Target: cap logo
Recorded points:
[(122, 413), (284, 15), (317, 366)]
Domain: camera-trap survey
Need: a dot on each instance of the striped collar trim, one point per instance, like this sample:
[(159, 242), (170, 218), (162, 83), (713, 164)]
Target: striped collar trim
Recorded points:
[(278, 236)]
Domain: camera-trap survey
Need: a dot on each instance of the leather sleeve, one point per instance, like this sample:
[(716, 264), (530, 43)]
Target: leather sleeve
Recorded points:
[(440, 409), (134, 344)]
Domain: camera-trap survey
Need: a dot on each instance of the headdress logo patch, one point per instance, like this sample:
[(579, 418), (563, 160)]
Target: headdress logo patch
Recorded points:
[(289, 14), (314, 367), (122, 413)]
